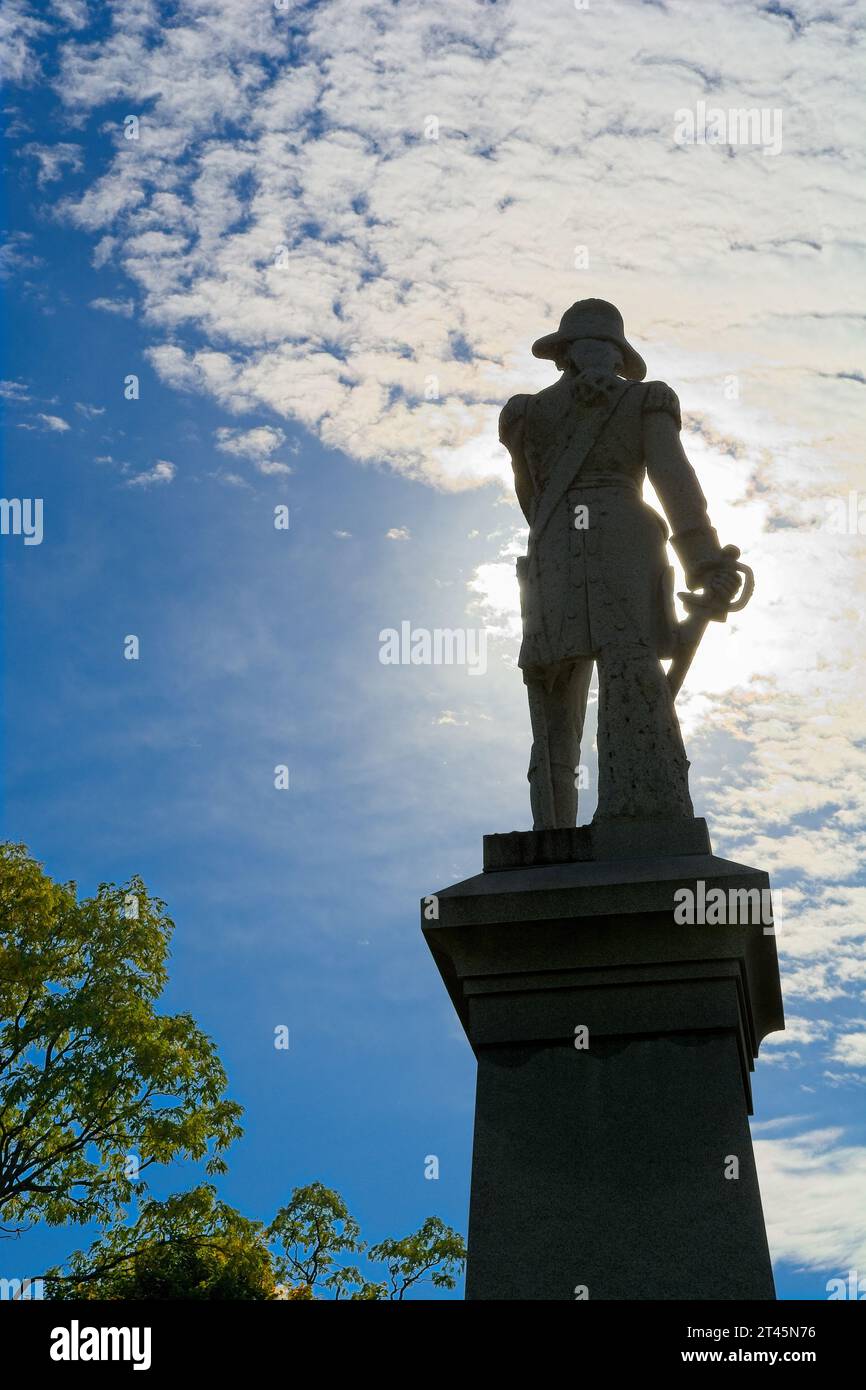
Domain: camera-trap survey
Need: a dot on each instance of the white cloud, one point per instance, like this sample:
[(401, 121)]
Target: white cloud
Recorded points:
[(54, 160), (259, 445), (124, 307), (799, 1030), (53, 422), (20, 32), (850, 1048), (398, 533), (812, 1187), (448, 716), (14, 391), (75, 13), (782, 1056), (231, 479), (835, 1079), (498, 597), (418, 270), (162, 472), (777, 1123), (15, 255)]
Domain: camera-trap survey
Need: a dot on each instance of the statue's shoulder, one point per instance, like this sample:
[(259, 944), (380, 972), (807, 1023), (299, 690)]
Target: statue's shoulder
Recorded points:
[(511, 414), (657, 395)]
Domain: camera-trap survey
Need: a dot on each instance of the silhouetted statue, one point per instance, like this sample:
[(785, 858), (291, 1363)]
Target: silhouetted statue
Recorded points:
[(596, 585)]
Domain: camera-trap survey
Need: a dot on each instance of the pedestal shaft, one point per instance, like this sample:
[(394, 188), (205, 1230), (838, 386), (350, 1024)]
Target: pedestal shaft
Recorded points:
[(620, 1167)]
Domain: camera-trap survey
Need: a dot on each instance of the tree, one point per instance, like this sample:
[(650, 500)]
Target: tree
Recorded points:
[(435, 1251), (194, 1247), (95, 1085), (316, 1228), (312, 1229), (189, 1247)]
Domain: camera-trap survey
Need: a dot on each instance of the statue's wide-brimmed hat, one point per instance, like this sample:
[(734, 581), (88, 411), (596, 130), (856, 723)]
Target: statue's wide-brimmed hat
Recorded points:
[(593, 318)]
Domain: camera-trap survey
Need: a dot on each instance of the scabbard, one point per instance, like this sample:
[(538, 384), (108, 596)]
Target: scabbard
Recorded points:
[(689, 634)]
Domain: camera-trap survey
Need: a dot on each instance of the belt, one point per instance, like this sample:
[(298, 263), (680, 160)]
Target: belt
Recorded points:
[(609, 480)]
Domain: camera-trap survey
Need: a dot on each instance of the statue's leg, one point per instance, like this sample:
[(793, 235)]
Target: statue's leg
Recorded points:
[(642, 765), (557, 708), (566, 714), (540, 784)]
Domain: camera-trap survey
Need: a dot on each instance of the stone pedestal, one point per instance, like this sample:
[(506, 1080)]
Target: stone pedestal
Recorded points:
[(612, 1154)]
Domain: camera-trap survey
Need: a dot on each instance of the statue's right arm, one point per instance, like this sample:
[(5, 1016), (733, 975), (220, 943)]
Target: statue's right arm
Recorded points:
[(511, 426), (694, 539)]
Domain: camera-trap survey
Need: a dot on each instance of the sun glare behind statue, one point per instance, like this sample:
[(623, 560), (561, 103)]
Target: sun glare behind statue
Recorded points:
[(793, 635)]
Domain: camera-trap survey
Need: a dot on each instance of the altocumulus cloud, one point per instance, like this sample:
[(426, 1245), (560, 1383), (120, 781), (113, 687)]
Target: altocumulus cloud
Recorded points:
[(287, 198)]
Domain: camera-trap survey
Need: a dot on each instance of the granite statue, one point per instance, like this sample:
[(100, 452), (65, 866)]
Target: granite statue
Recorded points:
[(596, 584)]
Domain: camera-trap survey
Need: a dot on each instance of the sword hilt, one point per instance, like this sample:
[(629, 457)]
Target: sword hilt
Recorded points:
[(715, 609)]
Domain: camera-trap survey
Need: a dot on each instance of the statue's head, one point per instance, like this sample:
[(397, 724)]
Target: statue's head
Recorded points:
[(591, 334), (591, 354)]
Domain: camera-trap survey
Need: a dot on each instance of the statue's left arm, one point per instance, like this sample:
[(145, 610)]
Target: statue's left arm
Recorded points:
[(674, 479), (511, 421)]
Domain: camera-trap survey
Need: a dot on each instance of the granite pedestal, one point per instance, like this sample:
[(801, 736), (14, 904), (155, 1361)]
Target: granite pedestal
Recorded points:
[(612, 1155)]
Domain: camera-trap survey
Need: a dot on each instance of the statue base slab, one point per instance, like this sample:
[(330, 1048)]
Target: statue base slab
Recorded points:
[(602, 839)]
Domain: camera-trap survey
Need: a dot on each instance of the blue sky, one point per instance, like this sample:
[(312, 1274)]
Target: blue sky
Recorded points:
[(413, 260)]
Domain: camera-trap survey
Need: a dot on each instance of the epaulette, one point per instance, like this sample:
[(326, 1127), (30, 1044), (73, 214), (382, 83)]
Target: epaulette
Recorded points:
[(659, 396), (511, 412)]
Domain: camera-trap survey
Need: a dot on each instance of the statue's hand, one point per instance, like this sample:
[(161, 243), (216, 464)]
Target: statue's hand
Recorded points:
[(722, 582)]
